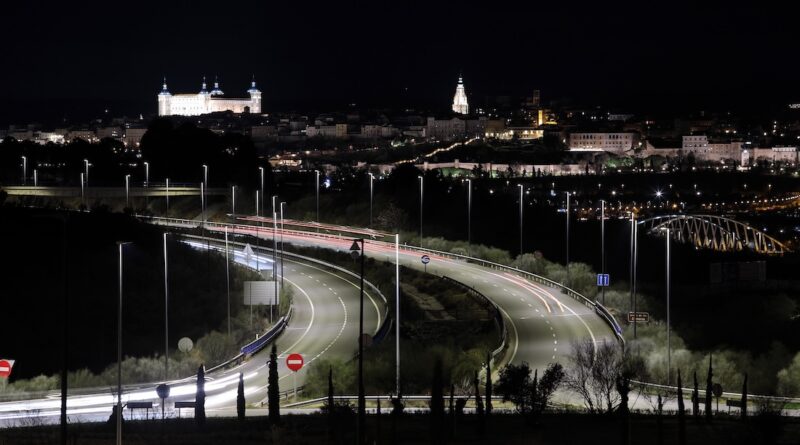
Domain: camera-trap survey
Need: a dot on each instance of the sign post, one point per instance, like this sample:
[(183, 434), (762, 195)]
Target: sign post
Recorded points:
[(425, 260), (638, 317), (294, 362), (5, 368)]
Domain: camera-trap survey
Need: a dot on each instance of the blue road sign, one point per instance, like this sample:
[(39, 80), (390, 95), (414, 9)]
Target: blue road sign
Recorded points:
[(603, 280), (425, 259)]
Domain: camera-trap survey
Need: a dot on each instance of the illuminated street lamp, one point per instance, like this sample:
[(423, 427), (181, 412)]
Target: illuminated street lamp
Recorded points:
[(120, 246), (520, 218), (469, 211), (358, 252), (127, 190), (233, 201), (371, 179), (283, 203), (421, 198)]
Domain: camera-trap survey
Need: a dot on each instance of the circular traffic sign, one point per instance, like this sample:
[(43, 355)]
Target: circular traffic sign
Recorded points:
[(185, 344), (162, 390), (294, 362), (425, 259), (5, 369)]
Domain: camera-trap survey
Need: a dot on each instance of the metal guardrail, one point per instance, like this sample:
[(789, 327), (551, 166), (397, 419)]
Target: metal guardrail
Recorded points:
[(316, 261), (598, 308), (498, 318)]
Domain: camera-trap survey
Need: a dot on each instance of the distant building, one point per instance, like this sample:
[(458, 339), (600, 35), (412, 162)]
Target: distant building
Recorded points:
[(460, 104), (133, 136), (206, 102), (612, 142)]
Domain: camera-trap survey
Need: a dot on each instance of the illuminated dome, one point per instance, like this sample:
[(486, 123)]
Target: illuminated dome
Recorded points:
[(216, 91)]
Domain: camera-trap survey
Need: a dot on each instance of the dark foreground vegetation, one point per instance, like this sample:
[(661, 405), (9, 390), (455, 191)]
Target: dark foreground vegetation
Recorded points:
[(551, 428)]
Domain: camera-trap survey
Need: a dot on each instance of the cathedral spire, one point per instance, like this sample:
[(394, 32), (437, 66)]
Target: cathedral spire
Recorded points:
[(203, 87), (460, 104), (164, 89)]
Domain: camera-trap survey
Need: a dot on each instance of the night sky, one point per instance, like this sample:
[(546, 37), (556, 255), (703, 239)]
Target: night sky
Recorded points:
[(74, 59)]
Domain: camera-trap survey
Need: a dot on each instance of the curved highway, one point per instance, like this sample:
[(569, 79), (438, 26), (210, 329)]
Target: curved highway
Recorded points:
[(542, 321), (324, 322)]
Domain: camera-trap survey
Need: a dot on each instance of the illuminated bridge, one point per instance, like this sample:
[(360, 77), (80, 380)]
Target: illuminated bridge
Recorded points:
[(715, 233)]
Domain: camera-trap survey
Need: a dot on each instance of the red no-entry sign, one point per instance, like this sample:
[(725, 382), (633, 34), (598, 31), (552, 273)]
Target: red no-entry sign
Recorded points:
[(294, 362), (5, 368)]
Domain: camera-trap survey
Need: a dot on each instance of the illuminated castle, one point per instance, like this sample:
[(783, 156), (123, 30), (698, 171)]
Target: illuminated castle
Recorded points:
[(207, 101), (460, 99)]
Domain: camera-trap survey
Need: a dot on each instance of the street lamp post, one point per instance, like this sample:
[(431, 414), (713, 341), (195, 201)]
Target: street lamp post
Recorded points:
[(316, 182), (421, 205), (520, 218), (166, 311), (632, 271), (603, 245), (669, 344), (371, 179), (167, 213), (127, 190), (357, 252), (283, 203), (228, 279), (24, 170), (204, 190), (274, 256), (146, 174), (261, 172), (35, 178), (83, 196), (86, 171), (120, 245), (397, 309), (233, 201), (203, 203), (469, 212), (567, 240)]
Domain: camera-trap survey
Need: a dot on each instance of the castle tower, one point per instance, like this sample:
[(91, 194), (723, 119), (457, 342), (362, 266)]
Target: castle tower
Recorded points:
[(460, 99), (216, 91), (164, 100), (255, 97)]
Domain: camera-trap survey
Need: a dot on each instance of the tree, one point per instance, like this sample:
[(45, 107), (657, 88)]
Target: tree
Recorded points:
[(709, 389), (514, 385), (200, 397), (695, 398), (744, 398), (593, 375), (478, 401), (488, 384), (547, 386), (681, 412), (240, 401), (535, 390), (273, 392)]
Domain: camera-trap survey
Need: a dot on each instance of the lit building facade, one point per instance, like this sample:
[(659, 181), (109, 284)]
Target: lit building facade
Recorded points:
[(460, 104), (205, 101)]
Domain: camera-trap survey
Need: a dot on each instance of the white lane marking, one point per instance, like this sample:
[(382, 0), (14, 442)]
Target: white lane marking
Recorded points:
[(313, 313), (530, 305)]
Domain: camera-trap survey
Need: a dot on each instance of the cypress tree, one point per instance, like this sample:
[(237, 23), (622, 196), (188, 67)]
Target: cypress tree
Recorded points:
[(534, 393), (488, 385), (478, 401), (200, 397), (695, 397), (744, 398), (681, 412), (240, 401), (709, 389), (273, 392)]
